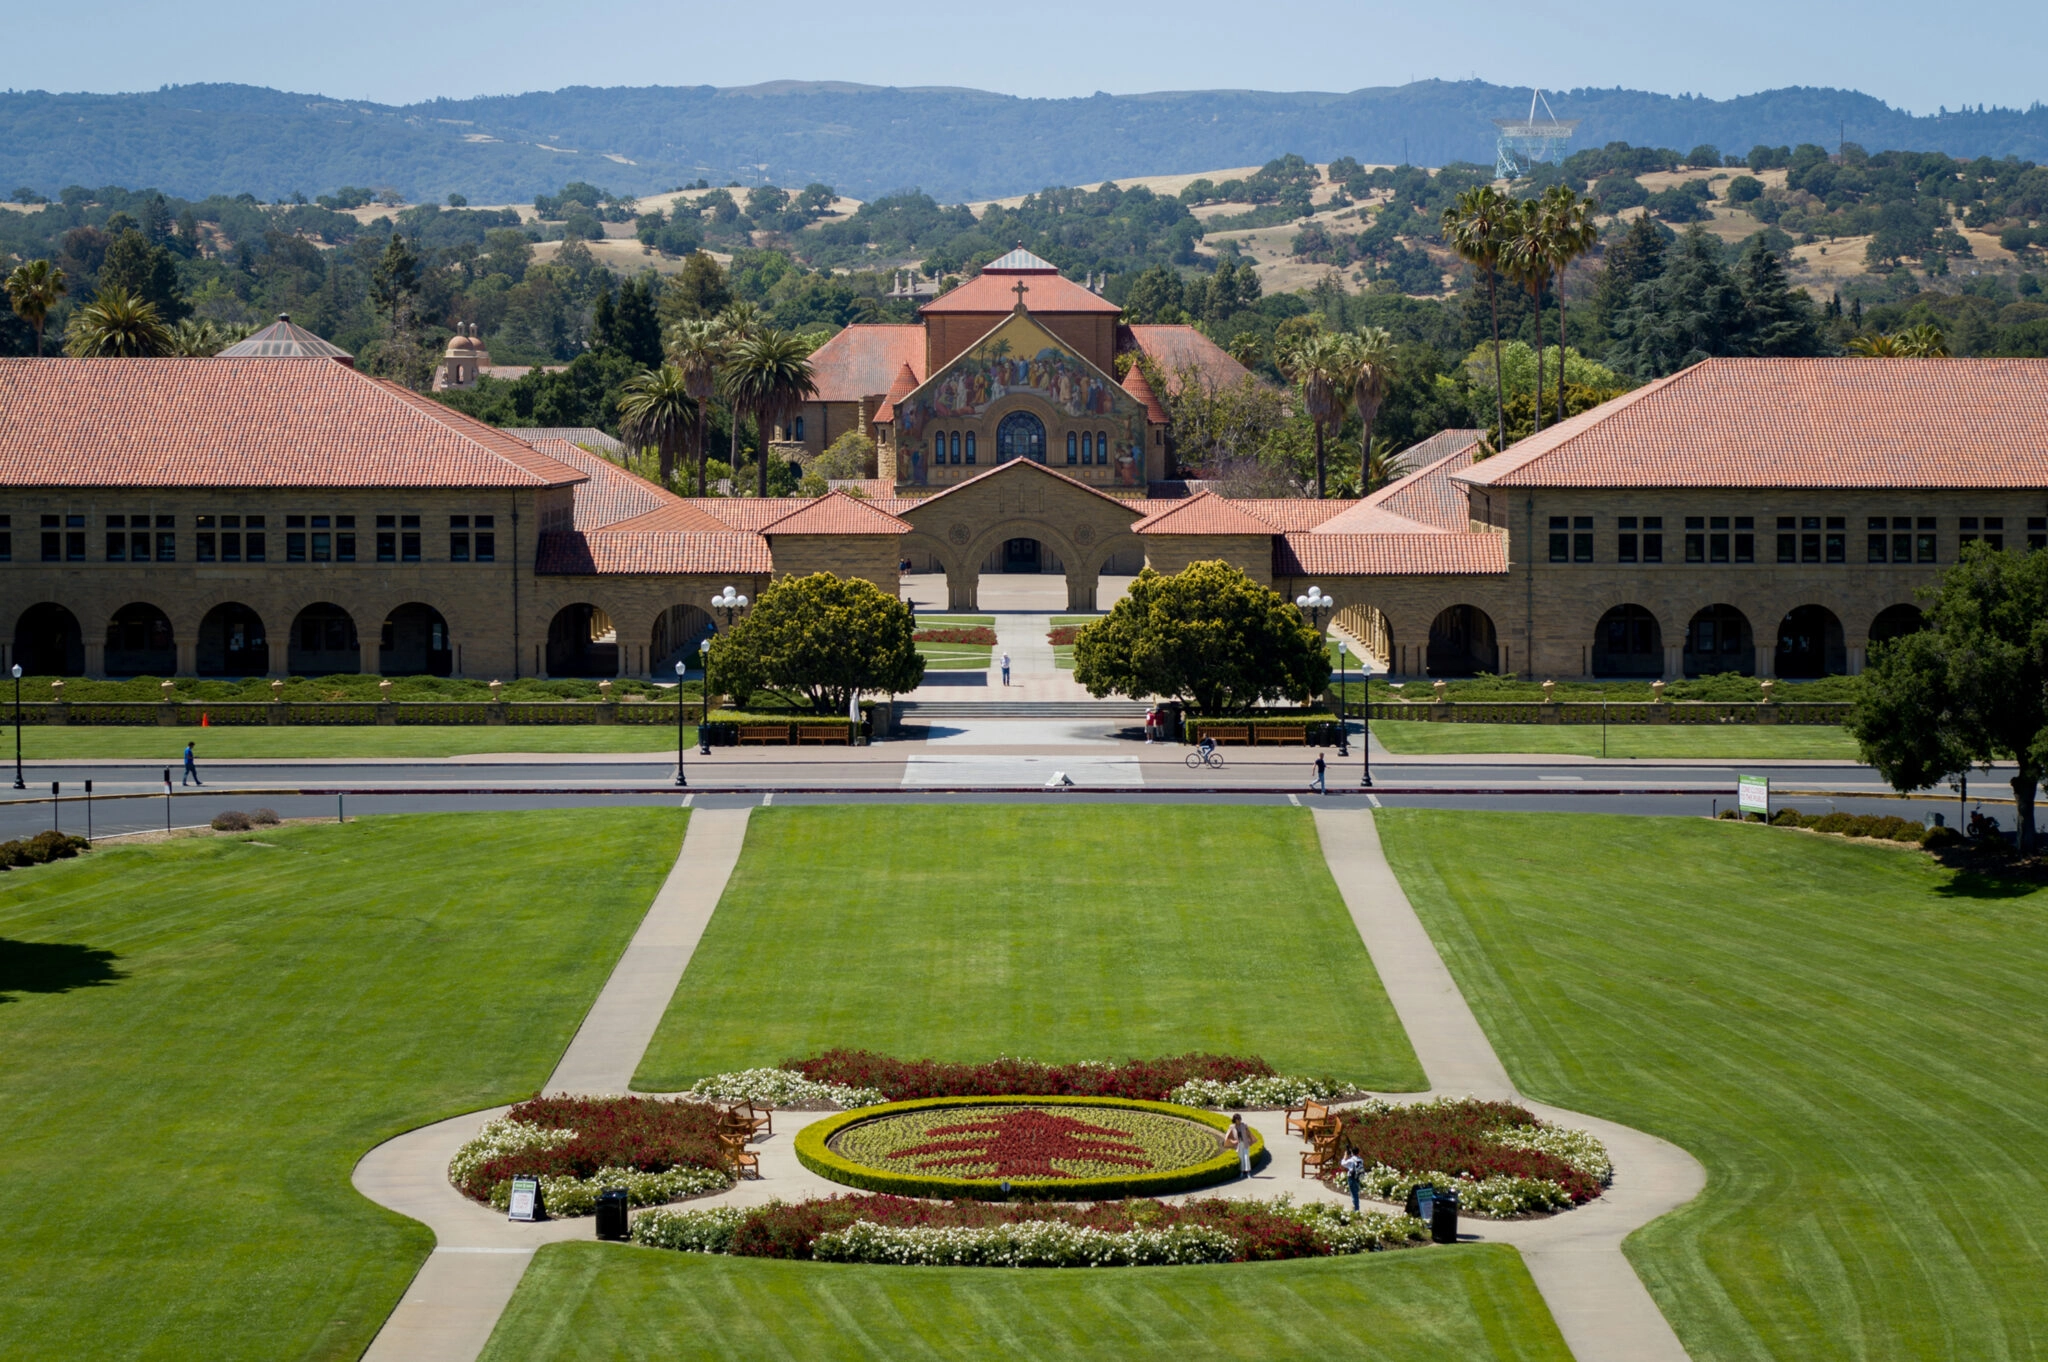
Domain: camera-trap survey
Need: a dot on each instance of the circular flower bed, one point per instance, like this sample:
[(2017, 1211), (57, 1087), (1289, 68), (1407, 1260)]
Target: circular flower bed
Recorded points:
[(657, 1150), (1499, 1158), (1057, 1148)]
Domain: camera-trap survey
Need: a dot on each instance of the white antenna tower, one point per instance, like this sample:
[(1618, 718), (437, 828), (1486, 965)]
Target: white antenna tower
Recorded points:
[(1527, 142)]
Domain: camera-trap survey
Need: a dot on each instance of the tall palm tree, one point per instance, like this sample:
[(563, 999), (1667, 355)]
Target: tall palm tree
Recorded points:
[(1913, 342), (1383, 466), (655, 408), (1321, 366), (117, 323), (1372, 353), (736, 323), (1572, 235), (1526, 258), (1473, 227), (697, 348), (768, 375), (34, 288), (195, 338)]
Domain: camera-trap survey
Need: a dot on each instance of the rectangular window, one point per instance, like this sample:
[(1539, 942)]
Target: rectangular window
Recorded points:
[(1994, 527), (1653, 539), (204, 546), (344, 546), (405, 522), (1837, 539), (486, 542), (53, 546), (295, 522), (1625, 548), (294, 543), (1717, 548), (1695, 543), (1560, 543), (323, 543), (1745, 543), (116, 522), (321, 522), (1925, 541), (231, 546), (255, 545), (117, 544), (138, 546), (387, 546), (408, 545), (2037, 531), (6, 539), (1582, 539), (166, 546), (1878, 544), (458, 546), (458, 522)]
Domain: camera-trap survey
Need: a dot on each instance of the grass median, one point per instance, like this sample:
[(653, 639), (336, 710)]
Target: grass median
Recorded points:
[(969, 932), (203, 1036), (1850, 1037), (225, 743), (1734, 742)]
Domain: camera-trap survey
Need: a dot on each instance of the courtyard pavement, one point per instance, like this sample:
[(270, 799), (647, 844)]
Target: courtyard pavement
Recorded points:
[(1601, 1306)]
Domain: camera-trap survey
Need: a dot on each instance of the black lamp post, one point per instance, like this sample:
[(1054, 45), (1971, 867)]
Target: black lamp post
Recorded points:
[(704, 709), (680, 668), (19, 783), (1365, 723)]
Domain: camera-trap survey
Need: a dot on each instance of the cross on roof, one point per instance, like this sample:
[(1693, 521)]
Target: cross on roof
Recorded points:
[(1019, 290)]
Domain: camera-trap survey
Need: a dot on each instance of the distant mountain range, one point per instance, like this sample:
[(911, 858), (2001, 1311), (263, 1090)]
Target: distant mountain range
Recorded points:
[(195, 140)]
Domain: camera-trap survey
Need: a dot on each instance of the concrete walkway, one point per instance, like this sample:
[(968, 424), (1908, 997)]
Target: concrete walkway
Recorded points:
[(1601, 1306), (448, 1312)]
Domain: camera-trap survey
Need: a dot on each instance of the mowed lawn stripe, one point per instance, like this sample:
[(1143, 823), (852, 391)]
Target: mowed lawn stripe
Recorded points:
[(167, 745), (1850, 1037), (972, 931), (183, 1114), (1787, 742), (588, 1301)]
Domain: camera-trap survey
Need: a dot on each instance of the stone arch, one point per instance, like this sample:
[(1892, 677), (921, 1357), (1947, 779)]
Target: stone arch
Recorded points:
[(1627, 641), (1080, 578), (582, 641), (231, 642), (678, 631), (1369, 625), (1462, 641), (140, 642), (415, 641), (1896, 621), (323, 642), (1020, 434), (1719, 639), (48, 641), (1810, 644)]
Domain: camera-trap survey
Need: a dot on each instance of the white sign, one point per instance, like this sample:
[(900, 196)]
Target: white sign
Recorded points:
[(1753, 795), (525, 1195)]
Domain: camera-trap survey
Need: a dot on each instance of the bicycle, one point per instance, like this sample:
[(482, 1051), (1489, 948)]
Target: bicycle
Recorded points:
[(1205, 755)]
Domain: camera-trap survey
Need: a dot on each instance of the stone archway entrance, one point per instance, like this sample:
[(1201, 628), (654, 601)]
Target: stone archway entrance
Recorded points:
[(1022, 519)]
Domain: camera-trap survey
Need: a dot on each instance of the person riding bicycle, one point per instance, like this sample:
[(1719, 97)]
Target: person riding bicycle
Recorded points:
[(1206, 748)]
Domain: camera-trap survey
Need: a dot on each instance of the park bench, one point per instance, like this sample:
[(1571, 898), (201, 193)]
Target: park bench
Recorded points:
[(1285, 735), (748, 1118), (772, 734), (825, 733), (1320, 1157), (1240, 735), (743, 1159), (1299, 1118)]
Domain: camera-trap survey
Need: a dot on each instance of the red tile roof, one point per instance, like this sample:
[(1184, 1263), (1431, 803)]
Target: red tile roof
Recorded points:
[(1183, 349), (992, 292), (1388, 555), (677, 515), (1428, 499), (612, 494), (1880, 423), (243, 423), (613, 552), (1202, 513), (836, 513), (903, 385), (1015, 468), (744, 513), (862, 360), (1138, 388), (1294, 513)]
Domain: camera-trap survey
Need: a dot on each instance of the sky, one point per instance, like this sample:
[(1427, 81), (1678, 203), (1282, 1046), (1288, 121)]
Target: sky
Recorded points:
[(1909, 55)]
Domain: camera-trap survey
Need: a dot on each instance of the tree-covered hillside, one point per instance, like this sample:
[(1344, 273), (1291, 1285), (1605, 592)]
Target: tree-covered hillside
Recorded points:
[(870, 141)]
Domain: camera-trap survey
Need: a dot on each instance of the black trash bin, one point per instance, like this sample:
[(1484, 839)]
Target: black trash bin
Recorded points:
[(611, 1214), (1443, 1218)]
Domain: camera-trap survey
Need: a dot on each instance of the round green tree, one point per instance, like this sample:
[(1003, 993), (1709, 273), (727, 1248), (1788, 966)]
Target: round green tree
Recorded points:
[(819, 641), (1208, 635)]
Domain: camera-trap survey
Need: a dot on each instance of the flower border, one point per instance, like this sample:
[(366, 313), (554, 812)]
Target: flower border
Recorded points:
[(812, 1152)]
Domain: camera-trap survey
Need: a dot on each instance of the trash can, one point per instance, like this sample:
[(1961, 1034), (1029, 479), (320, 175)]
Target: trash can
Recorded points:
[(611, 1214), (1443, 1218)]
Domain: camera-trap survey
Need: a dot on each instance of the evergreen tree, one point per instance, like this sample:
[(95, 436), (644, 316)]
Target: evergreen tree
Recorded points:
[(1691, 312), (604, 317), (1780, 317), (1635, 259), (146, 272), (635, 332), (396, 279)]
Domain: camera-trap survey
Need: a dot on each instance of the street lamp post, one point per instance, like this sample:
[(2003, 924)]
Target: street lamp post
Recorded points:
[(1365, 722), (19, 783), (1315, 605), (681, 667)]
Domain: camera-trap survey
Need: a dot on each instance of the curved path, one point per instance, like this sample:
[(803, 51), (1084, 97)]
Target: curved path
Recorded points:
[(1601, 1307)]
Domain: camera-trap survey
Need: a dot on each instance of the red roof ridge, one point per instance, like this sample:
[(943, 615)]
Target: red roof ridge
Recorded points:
[(1048, 472), (1203, 513), (836, 513), (1136, 385)]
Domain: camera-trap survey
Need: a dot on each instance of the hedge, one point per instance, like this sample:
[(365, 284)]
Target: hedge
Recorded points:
[(812, 1152)]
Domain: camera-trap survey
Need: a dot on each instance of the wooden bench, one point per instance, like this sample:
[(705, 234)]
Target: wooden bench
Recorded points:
[(1320, 1158), (748, 1117), (1285, 735), (771, 734), (1299, 1118), (743, 1159), (825, 733), (1240, 736)]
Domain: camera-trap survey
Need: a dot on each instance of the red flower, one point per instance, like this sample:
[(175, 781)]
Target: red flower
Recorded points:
[(1023, 1144)]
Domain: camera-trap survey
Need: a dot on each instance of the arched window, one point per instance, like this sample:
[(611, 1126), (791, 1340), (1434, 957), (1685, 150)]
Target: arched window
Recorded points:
[(1073, 447), (970, 446), (796, 430), (956, 446), (1102, 447), (1020, 436), (1088, 448)]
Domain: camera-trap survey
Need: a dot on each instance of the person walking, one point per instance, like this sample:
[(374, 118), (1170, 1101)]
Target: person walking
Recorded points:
[(191, 770), (1322, 769), (1151, 723), (1239, 1137), (1006, 669), (1353, 1167)]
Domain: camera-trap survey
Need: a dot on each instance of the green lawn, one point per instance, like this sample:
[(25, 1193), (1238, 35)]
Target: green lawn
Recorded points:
[(203, 1036), (368, 740), (599, 1302), (1408, 737), (967, 932), (954, 657), (956, 621), (1852, 1039)]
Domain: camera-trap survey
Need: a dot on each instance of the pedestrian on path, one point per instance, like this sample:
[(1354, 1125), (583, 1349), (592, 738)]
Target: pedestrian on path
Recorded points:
[(1239, 1137), (1321, 770), (1353, 1167), (191, 771), (1151, 723), (1006, 669)]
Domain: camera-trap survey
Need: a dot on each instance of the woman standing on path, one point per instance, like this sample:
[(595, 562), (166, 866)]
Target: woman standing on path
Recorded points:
[(1239, 1138)]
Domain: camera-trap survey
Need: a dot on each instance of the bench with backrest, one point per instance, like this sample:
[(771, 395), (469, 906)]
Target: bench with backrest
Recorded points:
[(748, 1117), (1240, 736), (743, 1159), (1286, 735), (841, 734), (1299, 1118), (770, 734)]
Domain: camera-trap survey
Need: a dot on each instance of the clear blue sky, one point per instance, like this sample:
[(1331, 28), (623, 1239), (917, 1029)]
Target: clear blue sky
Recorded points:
[(1916, 56)]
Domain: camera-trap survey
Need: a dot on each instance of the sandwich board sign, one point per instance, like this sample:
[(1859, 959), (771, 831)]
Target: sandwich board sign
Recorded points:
[(1753, 795), (525, 1198)]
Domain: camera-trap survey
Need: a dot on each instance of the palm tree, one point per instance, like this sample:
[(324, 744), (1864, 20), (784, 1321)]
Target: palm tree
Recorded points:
[(1372, 351), (1321, 365), (738, 322), (1473, 227), (656, 408), (197, 339), (34, 288), (1924, 341), (768, 375), (117, 323), (1247, 349), (1572, 235), (1383, 466), (697, 348), (1526, 257)]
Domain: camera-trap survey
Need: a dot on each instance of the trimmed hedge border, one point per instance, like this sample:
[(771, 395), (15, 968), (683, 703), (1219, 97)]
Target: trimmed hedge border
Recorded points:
[(812, 1152)]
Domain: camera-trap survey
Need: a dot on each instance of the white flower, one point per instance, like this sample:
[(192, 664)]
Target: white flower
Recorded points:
[(1279, 1090), (782, 1088)]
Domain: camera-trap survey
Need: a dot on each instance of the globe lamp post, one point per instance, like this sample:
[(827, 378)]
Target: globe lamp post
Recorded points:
[(680, 669), (19, 783)]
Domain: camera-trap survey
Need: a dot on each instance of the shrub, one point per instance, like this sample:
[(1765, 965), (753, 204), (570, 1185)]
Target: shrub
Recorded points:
[(1880, 827), (583, 1137), (231, 820), (979, 633), (1501, 1158), (41, 849), (903, 1080), (1935, 838), (1064, 635), (265, 818)]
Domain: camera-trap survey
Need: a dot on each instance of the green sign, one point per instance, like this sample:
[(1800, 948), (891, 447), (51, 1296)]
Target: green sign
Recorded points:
[(1753, 795), (525, 1197)]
